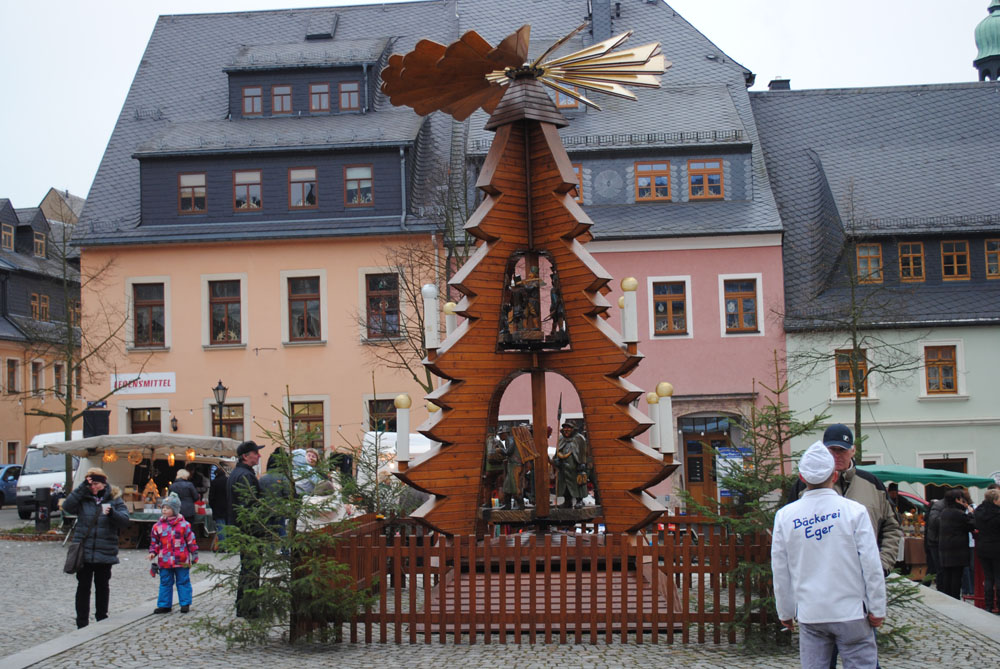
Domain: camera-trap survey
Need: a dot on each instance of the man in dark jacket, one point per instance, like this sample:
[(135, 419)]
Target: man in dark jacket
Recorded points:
[(244, 492), (100, 514)]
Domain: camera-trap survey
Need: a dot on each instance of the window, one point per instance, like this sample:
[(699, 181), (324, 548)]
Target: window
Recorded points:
[(281, 99), (144, 420), (224, 311), (36, 378), (43, 308), (308, 417), (993, 258), (564, 101), (40, 244), (75, 317), (232, 421), (382, 415), (382, 294), (252, 97), (148, 314), (954, 260), (911, 261), (741, 305), (302, 188), (34, 306), (7, 237), (304, 308), (78, 381), (652, 181), (578, 171), (59, 379), (246, 190), (319, 97), (12, 455), (939, 362), (358, 185), (350, 95), (845, 377), (191, 193), (705, 179), (669, 308), (13, 376), (869, 263)]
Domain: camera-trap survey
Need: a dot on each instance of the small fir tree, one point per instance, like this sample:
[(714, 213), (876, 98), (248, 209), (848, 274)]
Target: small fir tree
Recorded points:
[(302, 590), (756, 489)]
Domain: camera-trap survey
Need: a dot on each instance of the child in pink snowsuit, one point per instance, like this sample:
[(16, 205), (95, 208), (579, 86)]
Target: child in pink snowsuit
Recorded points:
[(172, 544)]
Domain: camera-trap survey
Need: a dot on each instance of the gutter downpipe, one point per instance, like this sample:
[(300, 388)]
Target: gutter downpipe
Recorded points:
[(364, 67), (402, 187)]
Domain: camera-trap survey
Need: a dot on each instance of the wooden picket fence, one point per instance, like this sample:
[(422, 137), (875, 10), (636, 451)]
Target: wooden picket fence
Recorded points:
[(563, 587)]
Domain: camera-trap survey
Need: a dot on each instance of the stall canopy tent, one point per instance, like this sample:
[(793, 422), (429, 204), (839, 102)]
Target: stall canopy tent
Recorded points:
[(901, 474), (156, 441)]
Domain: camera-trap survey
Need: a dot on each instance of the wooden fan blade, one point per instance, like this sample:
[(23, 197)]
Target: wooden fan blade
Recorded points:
[(513, 50), (566, 90), (558, 44), (591, 51)]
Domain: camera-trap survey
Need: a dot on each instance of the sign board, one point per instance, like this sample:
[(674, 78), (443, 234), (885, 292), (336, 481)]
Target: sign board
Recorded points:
[(729, 461), (145, 383)]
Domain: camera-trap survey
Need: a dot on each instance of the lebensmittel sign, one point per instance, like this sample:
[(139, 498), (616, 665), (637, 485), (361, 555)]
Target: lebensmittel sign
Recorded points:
[(145, 383)]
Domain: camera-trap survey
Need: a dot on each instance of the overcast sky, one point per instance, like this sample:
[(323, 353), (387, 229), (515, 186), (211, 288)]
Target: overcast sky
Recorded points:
[(67, 64)]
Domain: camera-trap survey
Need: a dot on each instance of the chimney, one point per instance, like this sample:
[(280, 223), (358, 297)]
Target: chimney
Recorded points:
[(779, 84), (600, 18)]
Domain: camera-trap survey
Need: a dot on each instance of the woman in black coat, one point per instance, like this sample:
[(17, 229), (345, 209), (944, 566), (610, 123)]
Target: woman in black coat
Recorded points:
[(988, 543), (187, 492), (953, 542), (100, 514)]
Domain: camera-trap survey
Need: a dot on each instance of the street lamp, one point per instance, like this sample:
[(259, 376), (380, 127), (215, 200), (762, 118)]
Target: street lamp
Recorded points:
[(220, 400)]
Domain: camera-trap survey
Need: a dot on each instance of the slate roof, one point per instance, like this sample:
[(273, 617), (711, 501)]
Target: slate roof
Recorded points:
[(181, 84), (9, 331), (919, 160), (702, 104), (323, 53), (180, 90), (393, 127)]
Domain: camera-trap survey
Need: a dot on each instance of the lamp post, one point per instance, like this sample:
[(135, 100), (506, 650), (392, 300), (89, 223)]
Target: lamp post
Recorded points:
[(220, 400)]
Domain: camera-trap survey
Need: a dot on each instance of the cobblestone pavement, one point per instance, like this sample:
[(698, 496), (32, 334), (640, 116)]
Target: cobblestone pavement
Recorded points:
[(38, 605), (153, 641)]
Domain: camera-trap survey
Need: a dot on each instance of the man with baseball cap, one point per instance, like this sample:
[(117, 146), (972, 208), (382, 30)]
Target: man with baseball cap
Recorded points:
[(827, 571), (863, 488), (244, 492)]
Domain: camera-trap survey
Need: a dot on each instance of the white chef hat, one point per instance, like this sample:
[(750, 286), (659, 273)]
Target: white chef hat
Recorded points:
[(816, 464)]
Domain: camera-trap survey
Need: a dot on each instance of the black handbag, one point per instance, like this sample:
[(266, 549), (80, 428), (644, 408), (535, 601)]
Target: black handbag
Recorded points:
[(74, 555)]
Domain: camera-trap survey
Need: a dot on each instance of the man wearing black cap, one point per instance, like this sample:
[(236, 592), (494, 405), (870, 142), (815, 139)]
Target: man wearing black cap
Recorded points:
[(863, 488), (244, 492)]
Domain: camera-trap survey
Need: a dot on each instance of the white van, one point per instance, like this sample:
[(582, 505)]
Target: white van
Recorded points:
[(42, 471)]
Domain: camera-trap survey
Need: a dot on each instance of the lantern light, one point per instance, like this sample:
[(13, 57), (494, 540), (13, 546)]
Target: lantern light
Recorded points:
[(110, 456), (171, 459), (189, 454)]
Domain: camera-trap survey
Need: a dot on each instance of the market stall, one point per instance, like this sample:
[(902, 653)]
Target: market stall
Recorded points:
[(912, 551), (143, 466)]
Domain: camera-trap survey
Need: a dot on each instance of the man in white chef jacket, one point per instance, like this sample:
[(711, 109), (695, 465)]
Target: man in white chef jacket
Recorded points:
[(827, 570)]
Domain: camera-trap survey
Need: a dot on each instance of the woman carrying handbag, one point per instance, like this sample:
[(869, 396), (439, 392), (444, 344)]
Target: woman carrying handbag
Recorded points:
[(100, 509)]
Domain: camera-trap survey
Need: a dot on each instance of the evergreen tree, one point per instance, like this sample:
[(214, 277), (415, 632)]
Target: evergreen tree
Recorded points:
[(302, 590)]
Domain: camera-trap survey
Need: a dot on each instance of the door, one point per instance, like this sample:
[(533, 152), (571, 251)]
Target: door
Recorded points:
[(933, 492), (700, 466)]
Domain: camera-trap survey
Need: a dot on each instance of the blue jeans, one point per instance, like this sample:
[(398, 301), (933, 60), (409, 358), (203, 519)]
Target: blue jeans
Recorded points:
[(180, 575)]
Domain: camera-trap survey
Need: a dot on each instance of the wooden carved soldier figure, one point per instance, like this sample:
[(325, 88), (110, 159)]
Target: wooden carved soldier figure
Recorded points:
[(513, 495), (571, 466)]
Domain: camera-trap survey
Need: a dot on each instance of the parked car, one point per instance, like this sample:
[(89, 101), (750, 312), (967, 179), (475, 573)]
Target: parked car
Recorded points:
[(8, 483)]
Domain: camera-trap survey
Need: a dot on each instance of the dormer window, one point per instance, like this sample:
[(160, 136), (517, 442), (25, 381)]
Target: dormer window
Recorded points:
[(350, 96), (564, 101), (705, 179), (281, 99), (191, 193), (40, 244), (253, 101), (7, 237), (319, 98)]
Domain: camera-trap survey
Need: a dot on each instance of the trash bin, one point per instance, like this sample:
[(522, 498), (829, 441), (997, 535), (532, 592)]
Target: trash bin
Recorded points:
[(43, 499)]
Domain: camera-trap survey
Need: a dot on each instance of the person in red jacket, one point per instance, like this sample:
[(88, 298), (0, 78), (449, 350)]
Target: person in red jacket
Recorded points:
[(173, 546)]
